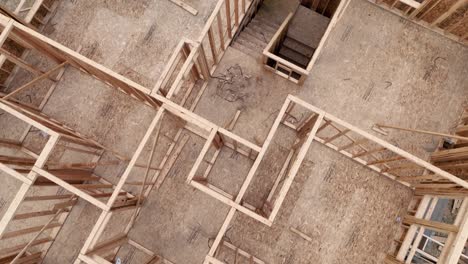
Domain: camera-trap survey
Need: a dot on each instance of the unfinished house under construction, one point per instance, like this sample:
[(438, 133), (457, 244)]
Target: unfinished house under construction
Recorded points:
[(233, 131)]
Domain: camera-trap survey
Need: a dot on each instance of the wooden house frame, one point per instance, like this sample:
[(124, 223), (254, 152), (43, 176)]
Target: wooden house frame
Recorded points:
[(57, 132), (369, 151), (447, 21), (386, 160), (30, 17), (28, 12), (197, 60), (294, 160), (287, 69), (65, 57), (34, 170)]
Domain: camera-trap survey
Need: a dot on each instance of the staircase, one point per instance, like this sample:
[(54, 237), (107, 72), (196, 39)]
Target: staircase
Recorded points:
[(300, 42), (255, 36), (296, 52)]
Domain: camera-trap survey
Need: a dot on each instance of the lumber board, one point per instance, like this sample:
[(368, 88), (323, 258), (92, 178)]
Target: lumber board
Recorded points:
[(185, 6), (437, 226)]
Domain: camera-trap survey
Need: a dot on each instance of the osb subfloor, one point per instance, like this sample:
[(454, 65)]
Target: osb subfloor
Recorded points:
[(334, 202), (374, 68), (134, 38), (179, 220)]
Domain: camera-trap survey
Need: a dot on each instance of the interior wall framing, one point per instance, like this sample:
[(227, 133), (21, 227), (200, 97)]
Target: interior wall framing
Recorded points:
[(199, 60), (446, 17)]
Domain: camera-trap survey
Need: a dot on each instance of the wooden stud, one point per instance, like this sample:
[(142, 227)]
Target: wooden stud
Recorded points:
[(41, 77), (352, 144), (75, 188), (228, 18), (201, 156), (21, 63), (397, 158), (170, 162), (212, 42), (132, 162), (330, 139), (220, 31), (295, 168), (368, 152), (437, 226), (109, 244), (449, 12), (14, 249), (236, 13), (185, 6), (424, 132), (29, 230), (46, 226)]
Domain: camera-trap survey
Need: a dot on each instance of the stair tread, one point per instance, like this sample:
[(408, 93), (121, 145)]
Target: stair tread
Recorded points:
[(255, 34), (241, 39), (311, 34), (293, 56), (268, 35), (299, 47), (265, 21), (244, 49), (262, 27), (255, 40)]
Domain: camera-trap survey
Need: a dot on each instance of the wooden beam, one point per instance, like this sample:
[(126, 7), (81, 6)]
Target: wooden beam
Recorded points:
[(397, 158), (14, 205), (35, 214), (450, 155), (41, 77), (426, 132), (149, 162), (76, 189), (135, 157), (419, 178), (48, 197), (227, 6), (20, 62), (201, 156), (295, 167), (306, 126), (242, 252), (330, 139), (236, 12), (109, 244), (185, 6), (29, 230), (14, 249), (449, 12), (411, 3), (170, 162), (368, 152), (46, 226), (433, 225), (220, 31), (15, 174), (391, 260), (212, 44), (301, 234), (455, 243), (352, 144)]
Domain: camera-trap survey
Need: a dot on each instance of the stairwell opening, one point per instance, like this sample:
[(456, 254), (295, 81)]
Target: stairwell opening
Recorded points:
[(294, 48)]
